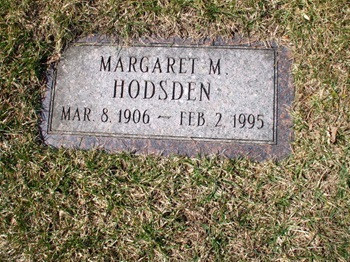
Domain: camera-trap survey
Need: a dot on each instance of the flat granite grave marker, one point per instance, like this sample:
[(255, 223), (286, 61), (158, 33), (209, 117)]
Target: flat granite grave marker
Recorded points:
[(171, 97)]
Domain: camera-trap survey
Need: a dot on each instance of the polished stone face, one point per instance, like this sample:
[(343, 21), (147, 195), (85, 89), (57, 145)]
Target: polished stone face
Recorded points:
[(167, 98), (185, 93)]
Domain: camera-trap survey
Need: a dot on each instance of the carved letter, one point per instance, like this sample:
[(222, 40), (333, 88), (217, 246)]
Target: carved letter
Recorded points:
[(193, 59), (162, 87), (115, 88), (132, 62), (104, 65), (170, 65), (182, 117), (174, 90), (205, 91), (65, 114), (119, 65), (190, 89), (87, 112), (157, 66), (153, 90), (201, 120), (144, 69), (212, 68), (181, 65), (76, 114), (137, 88)]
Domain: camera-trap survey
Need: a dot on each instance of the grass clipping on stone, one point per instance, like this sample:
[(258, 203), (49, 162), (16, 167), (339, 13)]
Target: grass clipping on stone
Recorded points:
[(72, 205)]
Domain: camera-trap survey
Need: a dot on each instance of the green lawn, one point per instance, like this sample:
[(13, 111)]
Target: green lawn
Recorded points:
[(72, 205)]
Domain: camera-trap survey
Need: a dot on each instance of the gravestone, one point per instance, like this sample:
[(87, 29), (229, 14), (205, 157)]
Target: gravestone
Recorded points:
[(171, 97)]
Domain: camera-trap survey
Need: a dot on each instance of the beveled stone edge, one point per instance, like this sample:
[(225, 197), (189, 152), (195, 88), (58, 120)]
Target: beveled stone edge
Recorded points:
[(258, 152)]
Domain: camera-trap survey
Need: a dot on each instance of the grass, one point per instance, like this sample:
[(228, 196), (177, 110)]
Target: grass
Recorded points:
[(72, 205)]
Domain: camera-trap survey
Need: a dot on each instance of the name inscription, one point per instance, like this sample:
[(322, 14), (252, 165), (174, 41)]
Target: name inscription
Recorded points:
[(166, 92)]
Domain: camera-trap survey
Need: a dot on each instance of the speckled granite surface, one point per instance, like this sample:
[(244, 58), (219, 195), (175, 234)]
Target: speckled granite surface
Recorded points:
[(243, 111)]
